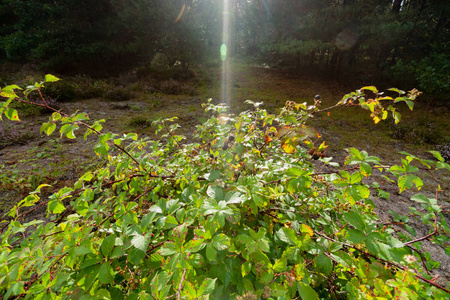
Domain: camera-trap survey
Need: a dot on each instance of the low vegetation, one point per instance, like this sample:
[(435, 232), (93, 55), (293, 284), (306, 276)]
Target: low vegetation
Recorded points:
[(240, 213)]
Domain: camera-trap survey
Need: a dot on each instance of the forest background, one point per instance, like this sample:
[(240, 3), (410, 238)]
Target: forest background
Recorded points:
[(401, 42)]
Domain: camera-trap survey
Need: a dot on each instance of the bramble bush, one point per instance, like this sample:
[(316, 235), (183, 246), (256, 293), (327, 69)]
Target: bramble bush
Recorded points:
[(240, 214)]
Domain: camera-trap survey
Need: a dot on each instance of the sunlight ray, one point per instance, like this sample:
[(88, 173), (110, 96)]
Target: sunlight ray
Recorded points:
[(224, 53)]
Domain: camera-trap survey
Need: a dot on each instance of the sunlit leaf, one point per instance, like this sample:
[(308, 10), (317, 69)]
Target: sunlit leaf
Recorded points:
[(51, 78)]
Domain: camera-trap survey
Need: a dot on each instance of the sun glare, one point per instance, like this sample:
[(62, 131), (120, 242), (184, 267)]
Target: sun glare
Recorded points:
[(224, 53)]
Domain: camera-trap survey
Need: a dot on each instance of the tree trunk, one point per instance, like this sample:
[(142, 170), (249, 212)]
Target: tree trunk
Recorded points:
[(396, 6)]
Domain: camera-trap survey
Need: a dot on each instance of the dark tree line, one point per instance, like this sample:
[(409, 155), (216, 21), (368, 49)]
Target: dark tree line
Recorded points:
[(388, 37)]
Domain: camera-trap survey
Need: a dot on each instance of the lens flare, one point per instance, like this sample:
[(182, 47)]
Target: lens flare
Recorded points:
[(346, 39), (223, 52), (180, 14)]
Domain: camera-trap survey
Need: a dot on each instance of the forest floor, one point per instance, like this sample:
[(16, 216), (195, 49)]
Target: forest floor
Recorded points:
[(34, 158)]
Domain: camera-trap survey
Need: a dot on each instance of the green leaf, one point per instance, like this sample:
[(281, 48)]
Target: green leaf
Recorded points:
[(80, 117), (108, 245), (280, 265), (287, 235), (207, 287), (355, 219), (356, 236), (56, 207), (215, 192), (234, 198), (48, 128), (306, 292), (170, 222), (106, 273), (178, 234), (211, 253), (190, 289), (437, 155), (370, 88), (68, 130), (324, 264), (12, 114), (246, 268), (294, 172), (221, 242), (397, 90), (15, 289), (169, 248), (197, 260), (139, 241), (408, 181), (51, 78), (214, 175), (194, 246), (334, 247)]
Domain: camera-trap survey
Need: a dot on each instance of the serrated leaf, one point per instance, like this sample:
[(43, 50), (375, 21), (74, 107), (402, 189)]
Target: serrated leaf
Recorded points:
[(68, 130), (56, 207), (246, 268), (170, 222), (80, 117), (289, 236), (294, 172)]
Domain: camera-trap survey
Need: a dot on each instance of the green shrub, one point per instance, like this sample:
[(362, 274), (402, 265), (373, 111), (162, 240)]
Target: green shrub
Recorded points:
[(139, 122), (119, 94), (62, 91), (431, 74), (174, 87), (242, 213), (420, 132)]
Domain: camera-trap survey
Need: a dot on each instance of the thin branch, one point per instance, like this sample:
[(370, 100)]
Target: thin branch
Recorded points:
[(424, 261), (384, 261), (181, 285), (428, 235), (48, 270)]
